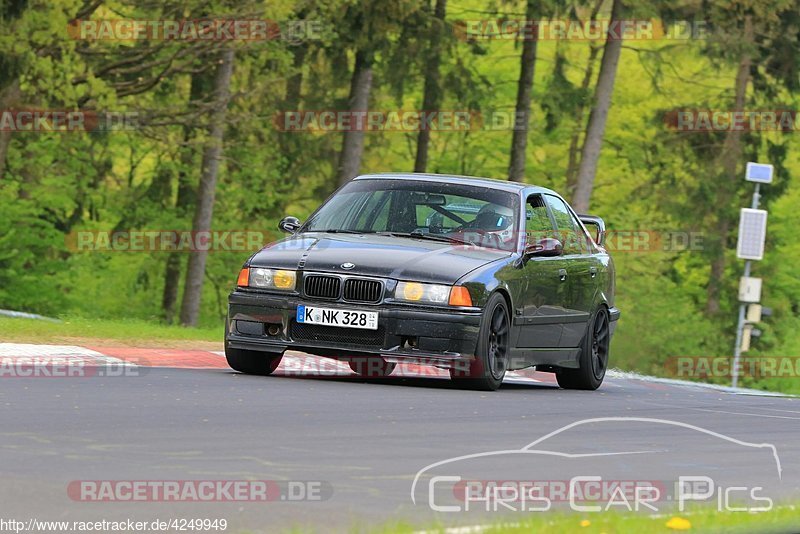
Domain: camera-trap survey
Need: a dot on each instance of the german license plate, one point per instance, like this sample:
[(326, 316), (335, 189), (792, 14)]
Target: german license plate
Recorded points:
[(337, 317)]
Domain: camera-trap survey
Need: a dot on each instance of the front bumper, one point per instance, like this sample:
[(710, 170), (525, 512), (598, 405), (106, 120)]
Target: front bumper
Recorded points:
[(406, 333)]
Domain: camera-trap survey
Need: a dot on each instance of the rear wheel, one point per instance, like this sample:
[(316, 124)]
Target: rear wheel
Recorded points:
[(593, 358), (371, 366), (487, 370), (252, 362)]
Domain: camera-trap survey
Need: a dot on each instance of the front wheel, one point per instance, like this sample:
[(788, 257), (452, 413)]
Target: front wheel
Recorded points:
[(593, 358), (487, 370), (252, 362)]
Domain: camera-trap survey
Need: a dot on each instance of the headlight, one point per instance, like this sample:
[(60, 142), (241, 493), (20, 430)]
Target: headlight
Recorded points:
[(425, 293), (267, 278)]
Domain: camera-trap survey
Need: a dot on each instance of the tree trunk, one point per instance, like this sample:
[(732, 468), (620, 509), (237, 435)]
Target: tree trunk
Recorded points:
[(519, 139), (201, 86), (204, 211), (574, 142), (353, 142), (433, 89), (291, 146), (575, 138), (596, 128), (184, 201), (728, 159), (294, 84)]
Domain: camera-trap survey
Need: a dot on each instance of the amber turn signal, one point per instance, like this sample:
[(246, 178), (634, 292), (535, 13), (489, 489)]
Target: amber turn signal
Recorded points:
[(244, 278), (459, 296)]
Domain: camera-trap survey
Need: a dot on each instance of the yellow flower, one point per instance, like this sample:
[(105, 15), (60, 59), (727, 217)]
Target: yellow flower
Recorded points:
[(679, 523), (585, 523)]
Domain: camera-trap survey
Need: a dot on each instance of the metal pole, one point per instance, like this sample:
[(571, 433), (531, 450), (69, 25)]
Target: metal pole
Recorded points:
[(737, 350)]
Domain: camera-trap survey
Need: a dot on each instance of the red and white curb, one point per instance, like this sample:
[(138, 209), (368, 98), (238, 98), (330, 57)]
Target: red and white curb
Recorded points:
[(60, 354), (294, 364)]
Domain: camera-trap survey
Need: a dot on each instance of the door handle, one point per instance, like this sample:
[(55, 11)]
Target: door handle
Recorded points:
[(593, 271), (562, 274)]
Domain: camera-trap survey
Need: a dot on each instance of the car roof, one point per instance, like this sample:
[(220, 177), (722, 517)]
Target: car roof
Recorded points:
[(494, 183)]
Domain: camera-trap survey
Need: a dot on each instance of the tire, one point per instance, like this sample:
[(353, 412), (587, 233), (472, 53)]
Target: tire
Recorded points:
[(252, 362), (486, 371), (593, 358), (371, 366)]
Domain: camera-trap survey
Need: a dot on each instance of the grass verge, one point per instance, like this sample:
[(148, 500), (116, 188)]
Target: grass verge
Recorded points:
[(781, 519), (107, 332)]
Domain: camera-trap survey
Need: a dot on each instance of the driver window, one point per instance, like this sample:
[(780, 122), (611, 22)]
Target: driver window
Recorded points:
[(537, 222), (568, 230)]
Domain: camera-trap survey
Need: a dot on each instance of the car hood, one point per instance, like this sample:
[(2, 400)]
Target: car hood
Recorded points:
[(400, 258)]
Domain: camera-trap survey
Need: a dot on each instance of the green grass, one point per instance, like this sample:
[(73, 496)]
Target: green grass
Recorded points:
[(788, 384), (779, 519), (131, 331)]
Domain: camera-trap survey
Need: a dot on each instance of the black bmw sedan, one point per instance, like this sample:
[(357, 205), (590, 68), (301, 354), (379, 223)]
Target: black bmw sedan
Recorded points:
[(474, 275)]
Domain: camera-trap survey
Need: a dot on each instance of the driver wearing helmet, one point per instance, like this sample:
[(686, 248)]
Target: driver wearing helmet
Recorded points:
[(494, 223)]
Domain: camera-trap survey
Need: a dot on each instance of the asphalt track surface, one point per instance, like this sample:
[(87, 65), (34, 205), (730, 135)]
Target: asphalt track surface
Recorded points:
[(362, 443)]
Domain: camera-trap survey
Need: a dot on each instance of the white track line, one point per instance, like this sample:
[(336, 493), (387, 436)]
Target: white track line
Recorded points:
[(630, 375), (745, 413)]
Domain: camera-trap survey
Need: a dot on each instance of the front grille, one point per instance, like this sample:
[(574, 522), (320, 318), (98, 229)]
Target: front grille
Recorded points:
[(324, 287), (333, 334), (359, 290)]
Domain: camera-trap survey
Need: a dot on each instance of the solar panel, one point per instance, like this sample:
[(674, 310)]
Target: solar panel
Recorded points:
[(752, 232), (758, 172)]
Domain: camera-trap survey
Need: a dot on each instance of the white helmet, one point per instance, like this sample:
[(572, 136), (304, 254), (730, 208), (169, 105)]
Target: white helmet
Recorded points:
[(494, 218)]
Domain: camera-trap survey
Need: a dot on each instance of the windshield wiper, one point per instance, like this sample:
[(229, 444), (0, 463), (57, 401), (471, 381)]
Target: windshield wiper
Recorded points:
[(430, 237), (413, 235)]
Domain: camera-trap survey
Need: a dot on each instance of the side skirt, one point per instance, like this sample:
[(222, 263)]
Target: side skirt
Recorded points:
[(556, 357)]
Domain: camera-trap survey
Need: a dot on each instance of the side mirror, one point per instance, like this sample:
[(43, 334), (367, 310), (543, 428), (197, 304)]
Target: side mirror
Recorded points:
[(598, 225), (543, 248), (289, 224)]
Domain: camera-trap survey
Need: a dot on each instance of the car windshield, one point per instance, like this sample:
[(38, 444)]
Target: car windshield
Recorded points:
[(478, 216)]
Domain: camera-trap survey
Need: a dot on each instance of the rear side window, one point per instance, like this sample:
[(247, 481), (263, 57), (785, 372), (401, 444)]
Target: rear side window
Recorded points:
[(568, 230)]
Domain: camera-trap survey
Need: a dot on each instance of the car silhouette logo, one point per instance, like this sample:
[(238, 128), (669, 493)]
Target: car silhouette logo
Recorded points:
[(347, 266)]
